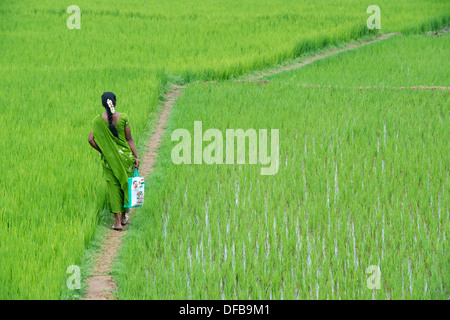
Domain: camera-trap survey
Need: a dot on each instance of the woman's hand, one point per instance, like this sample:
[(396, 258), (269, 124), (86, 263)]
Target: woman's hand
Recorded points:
[(136, 163)]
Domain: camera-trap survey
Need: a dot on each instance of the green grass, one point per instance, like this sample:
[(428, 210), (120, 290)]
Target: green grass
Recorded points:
[(362, 181), (52, 79), (88, 258), (398, 61)]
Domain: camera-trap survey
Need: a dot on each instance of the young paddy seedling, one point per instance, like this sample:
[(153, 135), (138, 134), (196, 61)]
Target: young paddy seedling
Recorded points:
[(359, 189)]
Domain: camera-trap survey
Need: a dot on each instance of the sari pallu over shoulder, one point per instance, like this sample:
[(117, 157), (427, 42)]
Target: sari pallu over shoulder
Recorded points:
[(115, 152)]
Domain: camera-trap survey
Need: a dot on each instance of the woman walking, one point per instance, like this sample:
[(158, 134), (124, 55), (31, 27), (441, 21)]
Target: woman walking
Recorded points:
[(111, 136)]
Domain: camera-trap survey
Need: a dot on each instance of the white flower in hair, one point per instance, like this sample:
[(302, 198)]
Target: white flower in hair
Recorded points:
[(110, 105)]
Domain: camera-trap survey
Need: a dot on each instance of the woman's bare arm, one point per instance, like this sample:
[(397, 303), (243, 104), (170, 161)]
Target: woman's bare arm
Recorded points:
[(130, 141), (92, 142)]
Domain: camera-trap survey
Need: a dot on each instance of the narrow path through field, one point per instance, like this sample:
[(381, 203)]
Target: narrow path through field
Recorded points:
[(322, 55), (101, 286), (360, 88)]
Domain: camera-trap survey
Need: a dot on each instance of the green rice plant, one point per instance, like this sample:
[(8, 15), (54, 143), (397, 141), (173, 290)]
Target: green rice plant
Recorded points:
[(402, 61), (362, 181)]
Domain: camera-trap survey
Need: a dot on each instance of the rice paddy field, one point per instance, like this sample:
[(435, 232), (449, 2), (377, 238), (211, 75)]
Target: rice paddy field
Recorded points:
[(363, 174), (363, 180)]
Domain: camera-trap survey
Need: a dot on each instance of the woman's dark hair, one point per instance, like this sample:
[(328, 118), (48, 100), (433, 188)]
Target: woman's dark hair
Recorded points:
[(111, 96)]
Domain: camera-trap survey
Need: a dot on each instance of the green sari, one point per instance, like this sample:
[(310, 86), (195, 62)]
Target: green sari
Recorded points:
[(117, 160)]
